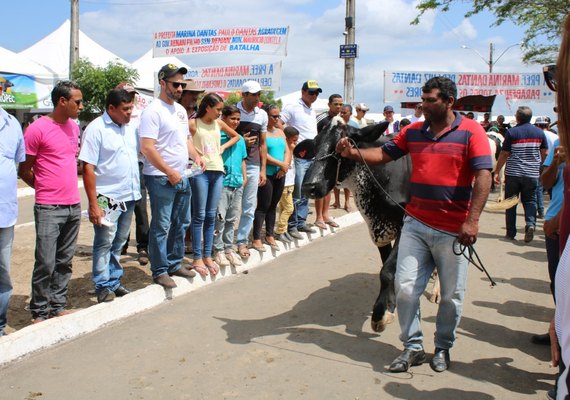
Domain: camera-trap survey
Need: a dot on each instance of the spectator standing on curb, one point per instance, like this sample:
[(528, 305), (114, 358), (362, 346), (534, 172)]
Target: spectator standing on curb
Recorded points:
[(111, 179), (50, 168), (301, 116), (229, 206), (13, 152), (286, 202), (207, 187), (166, 144), (253, 128), (523, 151), (268, 195)]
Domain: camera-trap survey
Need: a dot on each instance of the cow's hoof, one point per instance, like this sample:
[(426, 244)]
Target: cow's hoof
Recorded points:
[(379, 326)]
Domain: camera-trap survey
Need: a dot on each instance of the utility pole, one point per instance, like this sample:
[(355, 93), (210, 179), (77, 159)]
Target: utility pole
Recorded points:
[(350, 36), (491, 49), (74, 36)]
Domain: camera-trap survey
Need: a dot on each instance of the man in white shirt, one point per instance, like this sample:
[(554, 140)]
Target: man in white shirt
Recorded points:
[(418, 114), (167, 146)]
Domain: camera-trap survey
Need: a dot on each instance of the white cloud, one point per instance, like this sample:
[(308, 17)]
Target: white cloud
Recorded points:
[(463, 32)]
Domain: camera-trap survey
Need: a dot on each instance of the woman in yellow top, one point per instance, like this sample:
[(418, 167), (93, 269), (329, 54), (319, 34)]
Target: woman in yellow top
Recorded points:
[(207, 187)]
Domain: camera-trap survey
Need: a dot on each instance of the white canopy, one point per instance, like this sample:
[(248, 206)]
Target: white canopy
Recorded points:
[(13, 63), (53, 51), (148, 67)]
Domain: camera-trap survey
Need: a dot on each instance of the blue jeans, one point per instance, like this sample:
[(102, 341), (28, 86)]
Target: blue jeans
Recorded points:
[(107, 245), (248, 203), (421, 250), (540, 198), (57, 227), (206, 192), (527, 189), (299, 217), (6, 239), (228, 213), (170, 217)]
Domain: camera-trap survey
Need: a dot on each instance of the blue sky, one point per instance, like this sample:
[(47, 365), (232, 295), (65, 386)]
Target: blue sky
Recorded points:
[(386, 39)]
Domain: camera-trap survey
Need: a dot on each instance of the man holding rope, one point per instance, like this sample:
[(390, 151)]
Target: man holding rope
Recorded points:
[(450, 183)]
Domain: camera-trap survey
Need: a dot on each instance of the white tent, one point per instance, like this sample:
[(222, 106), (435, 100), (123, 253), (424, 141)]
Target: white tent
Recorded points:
[(321, 104), (14, 63), (53, 51), (148, 67)]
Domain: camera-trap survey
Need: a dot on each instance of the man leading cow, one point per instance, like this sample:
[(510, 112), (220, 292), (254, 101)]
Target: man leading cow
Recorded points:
[(444, 206)]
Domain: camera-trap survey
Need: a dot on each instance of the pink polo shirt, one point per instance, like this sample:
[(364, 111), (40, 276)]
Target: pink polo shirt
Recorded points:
[(54, 145)]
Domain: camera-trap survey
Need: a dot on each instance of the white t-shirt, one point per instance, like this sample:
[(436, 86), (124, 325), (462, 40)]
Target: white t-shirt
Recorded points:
[(412, 118), (302, 117), (168, 125)]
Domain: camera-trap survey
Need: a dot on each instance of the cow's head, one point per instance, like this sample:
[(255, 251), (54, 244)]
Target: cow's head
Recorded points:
[(321, 177)]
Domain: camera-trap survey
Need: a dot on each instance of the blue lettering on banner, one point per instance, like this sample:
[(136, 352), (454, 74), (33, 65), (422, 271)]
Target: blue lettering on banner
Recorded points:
[(236, 39), (205, 41), (427, 77), (531, 80), (259, 69), (413, 91), (401, 77), (165, 43)]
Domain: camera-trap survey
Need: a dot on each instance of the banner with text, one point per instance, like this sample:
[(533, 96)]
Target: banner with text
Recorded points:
[(23, 91), (258, 40), (232, 78), (406, 86)]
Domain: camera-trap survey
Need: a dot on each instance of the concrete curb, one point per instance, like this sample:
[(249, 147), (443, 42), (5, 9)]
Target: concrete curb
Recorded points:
[(40, 336)]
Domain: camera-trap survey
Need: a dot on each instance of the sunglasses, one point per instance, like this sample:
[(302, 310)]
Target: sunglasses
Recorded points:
[(313, 92), (549, 72), (276, 116), (78, 102), (176, 85)]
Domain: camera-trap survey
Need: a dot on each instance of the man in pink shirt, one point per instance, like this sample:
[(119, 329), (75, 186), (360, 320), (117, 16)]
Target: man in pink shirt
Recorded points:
[(51, 168)]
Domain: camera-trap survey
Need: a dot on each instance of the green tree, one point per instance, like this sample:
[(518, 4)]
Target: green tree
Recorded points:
[(543, 20), (96, 82)]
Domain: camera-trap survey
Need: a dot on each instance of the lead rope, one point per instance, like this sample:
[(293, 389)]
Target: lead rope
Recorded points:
[(462, 248)]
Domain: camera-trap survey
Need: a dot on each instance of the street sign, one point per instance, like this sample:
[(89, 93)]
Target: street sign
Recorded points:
[(348, 51)]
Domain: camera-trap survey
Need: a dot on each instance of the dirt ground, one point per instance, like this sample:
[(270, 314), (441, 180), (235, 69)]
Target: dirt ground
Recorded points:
[(81, 293)]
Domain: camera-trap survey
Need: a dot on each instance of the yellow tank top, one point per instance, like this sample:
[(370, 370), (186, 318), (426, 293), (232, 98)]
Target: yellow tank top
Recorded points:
[(207, 143)]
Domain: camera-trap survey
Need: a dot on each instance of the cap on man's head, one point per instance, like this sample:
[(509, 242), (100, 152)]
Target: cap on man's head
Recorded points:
[(126, 86), (169, 70), (540, 121), (388, 109), (313, 86), (191, 86), (362, 106), (251, 87)]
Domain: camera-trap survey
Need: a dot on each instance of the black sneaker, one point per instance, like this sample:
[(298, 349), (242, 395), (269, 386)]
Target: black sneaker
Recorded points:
[(306, 229), (281, 237), (529, 234), (143, 257), (105, 296), (121, 291)]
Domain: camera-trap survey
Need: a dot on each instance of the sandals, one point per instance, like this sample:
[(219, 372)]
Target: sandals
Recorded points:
[(274, 246), (320, 225), (332, 223), (260, 248), (213, 268), (201, 269), (243, 251)]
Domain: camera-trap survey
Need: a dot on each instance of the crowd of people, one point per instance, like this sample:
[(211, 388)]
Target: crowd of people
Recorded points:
[(223, 179)]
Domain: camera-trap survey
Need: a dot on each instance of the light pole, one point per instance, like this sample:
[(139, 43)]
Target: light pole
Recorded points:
[(490, 61), (349, 33)]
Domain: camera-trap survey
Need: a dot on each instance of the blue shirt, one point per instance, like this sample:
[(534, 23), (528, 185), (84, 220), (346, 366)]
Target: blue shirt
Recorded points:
[(113, 150), (558, 188), (12, 151), (524, 142), (233, 158)]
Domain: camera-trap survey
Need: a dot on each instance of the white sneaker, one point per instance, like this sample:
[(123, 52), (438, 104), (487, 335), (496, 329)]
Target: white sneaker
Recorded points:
[(220, 259), (233, 258)]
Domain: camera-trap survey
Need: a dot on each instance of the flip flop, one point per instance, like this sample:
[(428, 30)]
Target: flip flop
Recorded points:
[(332, 223), (201, 269), (213, 268), (274, 246), (321, 225), (261, 248), (243, 251)]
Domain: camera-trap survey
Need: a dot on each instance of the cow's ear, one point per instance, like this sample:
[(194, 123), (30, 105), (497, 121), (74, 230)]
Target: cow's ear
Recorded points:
[(370, 133), (305, 150)]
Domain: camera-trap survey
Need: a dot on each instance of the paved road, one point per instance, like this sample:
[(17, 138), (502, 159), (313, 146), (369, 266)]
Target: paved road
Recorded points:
[(299, 328)]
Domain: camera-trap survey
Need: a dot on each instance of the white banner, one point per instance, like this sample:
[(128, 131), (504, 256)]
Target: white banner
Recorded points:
[(258, 40), (406, 86), (231, 78)]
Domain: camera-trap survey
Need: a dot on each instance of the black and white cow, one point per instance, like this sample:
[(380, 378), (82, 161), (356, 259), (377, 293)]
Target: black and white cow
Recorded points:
[(383, 217)]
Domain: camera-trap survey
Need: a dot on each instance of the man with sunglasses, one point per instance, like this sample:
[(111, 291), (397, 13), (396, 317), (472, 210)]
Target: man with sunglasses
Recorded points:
[(302, 116), (361, 110), (51, 169), (167, 145)]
